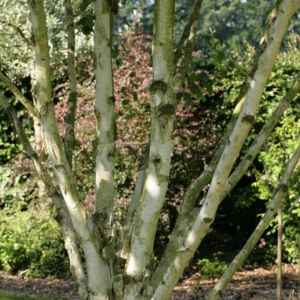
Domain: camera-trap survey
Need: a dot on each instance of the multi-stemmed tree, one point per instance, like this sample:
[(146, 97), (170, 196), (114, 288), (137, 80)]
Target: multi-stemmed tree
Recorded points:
[(119, 260)]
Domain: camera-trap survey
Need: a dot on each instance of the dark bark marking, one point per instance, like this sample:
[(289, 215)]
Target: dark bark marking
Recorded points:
[(207, 220), (248, 119), (166, 109), (158, 86)]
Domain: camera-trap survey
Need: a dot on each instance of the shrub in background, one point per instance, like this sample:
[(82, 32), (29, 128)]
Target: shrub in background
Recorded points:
[(31, 244)]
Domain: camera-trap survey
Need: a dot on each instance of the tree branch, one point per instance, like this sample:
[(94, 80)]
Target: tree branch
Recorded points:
[(19, 31), (19, 95), (189, 30), (262, 137), (70, 115), (279, 194), (187, 214), (163, 109)]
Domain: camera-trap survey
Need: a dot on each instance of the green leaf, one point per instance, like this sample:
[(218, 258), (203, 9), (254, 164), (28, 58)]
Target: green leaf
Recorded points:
[(135, 96), (131, 114), (125, 102), (208, 40), (231, 64), (84, 4), (119, 62), (188, 75), (132, 74), (115, 51), (188, 100), (86, 23), (209, 89), (126, 280), (195, 88), (196, 77), (204, 78), (221, 55), (123, 89), (117, 278), (201, 97)]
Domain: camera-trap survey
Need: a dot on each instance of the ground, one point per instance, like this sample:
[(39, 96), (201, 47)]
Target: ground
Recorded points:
[(247, 284)]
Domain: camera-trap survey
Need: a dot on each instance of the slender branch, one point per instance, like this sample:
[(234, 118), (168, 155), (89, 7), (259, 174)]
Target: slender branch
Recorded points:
[(105, 124), (279, 251), (18, 30), (262, 137), (70, 115), (281, 191), (188, 35), (296, 6), (19, 95), (192, 22)]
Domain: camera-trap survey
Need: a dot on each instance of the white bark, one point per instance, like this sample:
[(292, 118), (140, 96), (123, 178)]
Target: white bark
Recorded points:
[(163, 110), (104, 181), (98, 279), (70, 115)]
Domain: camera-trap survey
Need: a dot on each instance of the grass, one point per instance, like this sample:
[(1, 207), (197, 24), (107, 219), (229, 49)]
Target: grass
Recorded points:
[(9, 296)]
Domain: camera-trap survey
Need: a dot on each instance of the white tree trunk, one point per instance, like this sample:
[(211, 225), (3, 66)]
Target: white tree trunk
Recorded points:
[(97, 269), (163, 107), (70, 115)]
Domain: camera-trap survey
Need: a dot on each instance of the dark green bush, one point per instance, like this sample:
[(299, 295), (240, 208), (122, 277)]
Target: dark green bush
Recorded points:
[(210, 268), (31, 244)]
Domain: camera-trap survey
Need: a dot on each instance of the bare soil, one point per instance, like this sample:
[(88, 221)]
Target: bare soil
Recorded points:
[(247, 284)]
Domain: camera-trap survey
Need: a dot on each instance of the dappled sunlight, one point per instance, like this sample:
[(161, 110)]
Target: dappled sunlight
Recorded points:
[(152, 186)]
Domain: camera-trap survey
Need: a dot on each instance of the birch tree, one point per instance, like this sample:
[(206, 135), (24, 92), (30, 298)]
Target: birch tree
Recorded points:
[(111, 260)]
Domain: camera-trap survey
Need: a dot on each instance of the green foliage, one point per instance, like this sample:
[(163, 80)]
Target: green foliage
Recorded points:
[(274, 158), (279, 149), (13, 185), (9, 144), (210, 268), (9, 296), (31, 244)]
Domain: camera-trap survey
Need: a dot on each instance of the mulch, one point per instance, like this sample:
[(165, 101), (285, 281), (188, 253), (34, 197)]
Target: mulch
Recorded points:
[(247, 284)]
